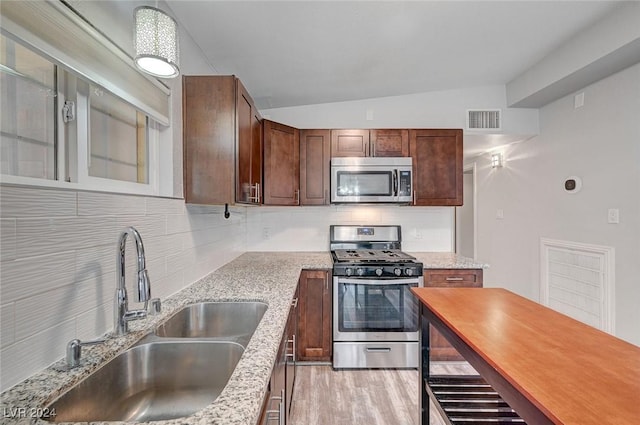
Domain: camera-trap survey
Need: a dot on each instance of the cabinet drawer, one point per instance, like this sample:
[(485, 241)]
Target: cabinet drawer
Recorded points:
[(453, 278)]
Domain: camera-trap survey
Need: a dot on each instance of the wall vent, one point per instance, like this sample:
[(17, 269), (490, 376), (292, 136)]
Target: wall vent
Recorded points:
[(578, 280), (484, 119)]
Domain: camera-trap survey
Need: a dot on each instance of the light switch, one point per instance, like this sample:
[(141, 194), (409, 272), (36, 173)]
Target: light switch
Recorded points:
[(499, 214), (613, 216)]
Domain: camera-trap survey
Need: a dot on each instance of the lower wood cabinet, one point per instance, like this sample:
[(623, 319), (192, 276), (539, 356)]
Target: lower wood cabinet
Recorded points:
[(314, 316), (277, 404), (441, 350)]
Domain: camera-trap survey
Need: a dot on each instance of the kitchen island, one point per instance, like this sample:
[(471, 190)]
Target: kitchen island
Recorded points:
[(548, 367)]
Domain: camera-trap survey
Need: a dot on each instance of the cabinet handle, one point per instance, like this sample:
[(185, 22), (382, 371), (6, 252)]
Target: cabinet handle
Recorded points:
[(296, 196), (258, 193), (294, 302), (373, 148), (414, 197), (292, 341), (255, 198), (454, 278)]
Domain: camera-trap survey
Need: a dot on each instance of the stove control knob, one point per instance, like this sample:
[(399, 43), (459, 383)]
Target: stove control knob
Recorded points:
[(378, 272), (397, 272), (360, 271), (408, 271), (348, 271)]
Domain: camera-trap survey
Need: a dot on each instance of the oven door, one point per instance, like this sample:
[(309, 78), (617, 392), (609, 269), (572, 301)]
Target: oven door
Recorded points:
[(375, 309)]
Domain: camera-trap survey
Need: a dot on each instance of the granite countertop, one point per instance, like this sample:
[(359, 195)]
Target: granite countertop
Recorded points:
[(447, 260), (270, 277)]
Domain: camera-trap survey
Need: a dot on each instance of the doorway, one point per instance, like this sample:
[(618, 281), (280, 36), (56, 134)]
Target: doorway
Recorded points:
[(466, 221)]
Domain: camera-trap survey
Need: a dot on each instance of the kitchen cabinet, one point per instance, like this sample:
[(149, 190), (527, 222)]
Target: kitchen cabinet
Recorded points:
[(314, 316), (273, 407), (389, 142), (249, 148), (315, 154), (222, 138), (277, 404), (281, 164), (385, 142), (437, 166), (208, 139), (441, 350), (349, 143)]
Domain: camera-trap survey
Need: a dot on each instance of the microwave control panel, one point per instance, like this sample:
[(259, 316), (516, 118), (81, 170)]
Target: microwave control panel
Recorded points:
[(404, 188)]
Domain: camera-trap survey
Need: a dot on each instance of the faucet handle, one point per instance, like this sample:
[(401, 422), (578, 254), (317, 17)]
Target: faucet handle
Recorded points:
[(74, 350), (155, 306)]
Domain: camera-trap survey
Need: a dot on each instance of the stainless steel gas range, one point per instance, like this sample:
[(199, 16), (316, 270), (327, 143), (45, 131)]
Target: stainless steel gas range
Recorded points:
[(375, 315)]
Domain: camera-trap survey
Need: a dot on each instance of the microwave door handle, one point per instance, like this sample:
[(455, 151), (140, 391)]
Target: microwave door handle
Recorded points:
[(395, 183)]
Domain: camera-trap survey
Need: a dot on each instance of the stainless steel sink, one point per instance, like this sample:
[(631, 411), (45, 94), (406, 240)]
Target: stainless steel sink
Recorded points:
[(153, 381), (230, 321)]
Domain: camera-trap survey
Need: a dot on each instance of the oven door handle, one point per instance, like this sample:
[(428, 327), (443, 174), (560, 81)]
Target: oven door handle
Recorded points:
[(395, 183), (379, 282)]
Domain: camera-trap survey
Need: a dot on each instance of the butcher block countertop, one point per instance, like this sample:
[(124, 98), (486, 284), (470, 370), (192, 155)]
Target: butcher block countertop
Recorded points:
[(548, 367)]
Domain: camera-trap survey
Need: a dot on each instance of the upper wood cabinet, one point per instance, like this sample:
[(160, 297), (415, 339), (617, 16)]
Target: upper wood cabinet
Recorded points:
[(315, 154), (385, 142), (249, 148), (437, 166), (389, 142), (209, 139), (281, 164), (349, 143), (222, 134)]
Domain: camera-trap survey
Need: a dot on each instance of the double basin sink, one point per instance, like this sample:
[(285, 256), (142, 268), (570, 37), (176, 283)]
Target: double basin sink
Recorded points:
[(173, 372)]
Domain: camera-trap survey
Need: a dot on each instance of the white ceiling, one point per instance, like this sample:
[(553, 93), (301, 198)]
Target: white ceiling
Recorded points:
[(290, 53)]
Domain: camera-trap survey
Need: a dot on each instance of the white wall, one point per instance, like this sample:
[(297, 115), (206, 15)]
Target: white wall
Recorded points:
[(599, 142)]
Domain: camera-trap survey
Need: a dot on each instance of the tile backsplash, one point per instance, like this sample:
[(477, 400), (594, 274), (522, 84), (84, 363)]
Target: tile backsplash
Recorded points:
[(58, 269), (58, 256)]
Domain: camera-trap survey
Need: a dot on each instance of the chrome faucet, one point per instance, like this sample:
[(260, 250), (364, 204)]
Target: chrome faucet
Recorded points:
[(122, 314)]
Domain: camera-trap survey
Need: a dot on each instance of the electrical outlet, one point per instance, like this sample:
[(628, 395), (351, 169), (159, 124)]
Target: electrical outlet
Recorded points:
[(499, 214), (417, 234), (613, 216), (266, 233)]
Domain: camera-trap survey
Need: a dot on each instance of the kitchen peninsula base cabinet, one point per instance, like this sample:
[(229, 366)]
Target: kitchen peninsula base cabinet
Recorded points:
[(441, 350), (314, 316), (437, 166)]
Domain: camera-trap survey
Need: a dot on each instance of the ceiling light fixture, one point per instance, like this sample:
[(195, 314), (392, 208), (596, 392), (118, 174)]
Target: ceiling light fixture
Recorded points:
[(497, 160), (156, 42)]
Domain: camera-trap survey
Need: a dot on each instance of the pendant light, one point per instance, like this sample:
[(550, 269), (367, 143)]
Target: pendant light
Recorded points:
[(156, 42)]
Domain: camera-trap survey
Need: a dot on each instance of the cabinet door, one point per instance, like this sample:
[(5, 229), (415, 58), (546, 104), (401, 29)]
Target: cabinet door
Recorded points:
[(209, 143), (441, 350), (249, 148), (315, 154), (389, 142), (314, 316), (349, 143), (281, 164), (437, 166)]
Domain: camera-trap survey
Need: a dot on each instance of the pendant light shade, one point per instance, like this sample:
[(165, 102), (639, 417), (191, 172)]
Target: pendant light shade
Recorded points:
[(156, 42)]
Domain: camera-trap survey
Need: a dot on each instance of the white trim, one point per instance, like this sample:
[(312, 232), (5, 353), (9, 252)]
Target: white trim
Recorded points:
[(607, 290)]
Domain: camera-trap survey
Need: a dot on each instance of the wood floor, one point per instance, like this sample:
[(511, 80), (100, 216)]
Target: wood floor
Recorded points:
[(323, 396)]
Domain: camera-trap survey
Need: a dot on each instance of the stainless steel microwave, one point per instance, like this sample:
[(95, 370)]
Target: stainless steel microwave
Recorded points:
[(371, 180)]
